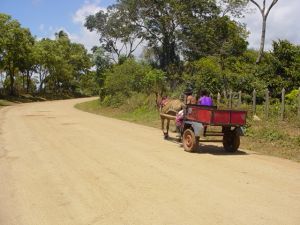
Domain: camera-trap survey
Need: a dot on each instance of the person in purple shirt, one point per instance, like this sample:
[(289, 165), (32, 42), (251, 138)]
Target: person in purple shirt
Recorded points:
[(205, 99)]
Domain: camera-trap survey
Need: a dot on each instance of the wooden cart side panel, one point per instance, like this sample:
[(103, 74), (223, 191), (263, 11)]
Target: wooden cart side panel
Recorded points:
[(199, 114), (213, 116), (238, 117), (221, 117)]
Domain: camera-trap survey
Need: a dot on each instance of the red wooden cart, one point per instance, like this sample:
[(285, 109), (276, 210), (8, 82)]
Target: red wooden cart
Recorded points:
[(197, 118)]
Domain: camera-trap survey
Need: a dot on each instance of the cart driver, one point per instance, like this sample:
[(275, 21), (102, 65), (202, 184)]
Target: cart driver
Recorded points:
[(189, 99)]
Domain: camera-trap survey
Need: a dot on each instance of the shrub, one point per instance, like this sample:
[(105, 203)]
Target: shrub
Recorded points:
[(292, 97), (126, 78), (115, 100)]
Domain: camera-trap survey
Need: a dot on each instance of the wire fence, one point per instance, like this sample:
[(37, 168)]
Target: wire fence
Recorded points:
[(266, 108)]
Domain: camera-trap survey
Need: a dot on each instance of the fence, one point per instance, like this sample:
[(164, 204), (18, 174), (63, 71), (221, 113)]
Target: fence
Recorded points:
[(234, 100)]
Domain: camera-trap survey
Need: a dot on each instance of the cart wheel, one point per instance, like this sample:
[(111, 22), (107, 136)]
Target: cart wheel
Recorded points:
[(190, 142), (231, 141)]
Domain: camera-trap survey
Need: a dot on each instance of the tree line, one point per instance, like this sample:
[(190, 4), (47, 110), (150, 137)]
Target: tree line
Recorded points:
[(45, 66), (196, 43)]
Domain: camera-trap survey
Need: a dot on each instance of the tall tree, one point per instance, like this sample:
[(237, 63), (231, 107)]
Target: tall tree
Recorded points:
[(44, 55), (61, 63), (28, 67), (264, 13), (15, 46), (118, 33), (102, 62)]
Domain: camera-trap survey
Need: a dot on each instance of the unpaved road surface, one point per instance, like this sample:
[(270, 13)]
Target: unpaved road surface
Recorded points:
[(61, 166)]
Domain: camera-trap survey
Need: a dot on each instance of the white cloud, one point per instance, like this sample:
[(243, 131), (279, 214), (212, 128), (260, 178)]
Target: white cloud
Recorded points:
[(86, 10), (282, 23), (85, 37)]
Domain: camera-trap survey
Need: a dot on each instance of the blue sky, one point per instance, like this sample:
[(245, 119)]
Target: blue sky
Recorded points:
[(45, 17)]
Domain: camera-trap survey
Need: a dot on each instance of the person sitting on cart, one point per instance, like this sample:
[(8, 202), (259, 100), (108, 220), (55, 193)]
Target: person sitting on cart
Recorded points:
[(190, 99), (205, 99)]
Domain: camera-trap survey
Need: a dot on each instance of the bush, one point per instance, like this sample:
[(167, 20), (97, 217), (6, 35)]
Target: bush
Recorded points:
[(292, 97), (126, 78), (114, 101), (139, 100), (207, 74)]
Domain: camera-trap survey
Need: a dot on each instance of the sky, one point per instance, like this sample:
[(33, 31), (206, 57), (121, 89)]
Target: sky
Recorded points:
[(45, 17)]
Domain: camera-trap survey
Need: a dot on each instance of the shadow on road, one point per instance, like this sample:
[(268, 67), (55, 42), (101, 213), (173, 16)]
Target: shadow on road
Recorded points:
[(208, 148), (217, 150)]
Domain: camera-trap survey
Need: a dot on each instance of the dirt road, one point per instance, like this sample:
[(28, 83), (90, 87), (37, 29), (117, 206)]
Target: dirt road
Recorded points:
[(62, 166)]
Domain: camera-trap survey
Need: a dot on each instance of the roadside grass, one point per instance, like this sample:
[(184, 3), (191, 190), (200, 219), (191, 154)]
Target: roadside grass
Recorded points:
[(27, 98), (272, 137), (5, 103), (142, 115)]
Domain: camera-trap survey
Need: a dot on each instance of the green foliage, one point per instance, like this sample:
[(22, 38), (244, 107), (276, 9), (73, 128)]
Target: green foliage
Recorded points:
[(115, 26), (237, 75), (207, 74), (131, 78), (138, 101), (154, 81), (281, 67), (114, 101), (271, 135), (217, 36), (126, 78), (55, 65), (15, 44), (5, 103), (88, 84), (292, 97), (60, 64)]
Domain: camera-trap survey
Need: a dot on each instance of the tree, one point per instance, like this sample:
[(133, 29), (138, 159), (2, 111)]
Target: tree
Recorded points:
[(155, 82), (15, 46), (44, 55), (236, 8), (102, 62), (158, 22), (285, 62), (126, 78), (61, 63), (118, 33), (264, 13), (28, 67)]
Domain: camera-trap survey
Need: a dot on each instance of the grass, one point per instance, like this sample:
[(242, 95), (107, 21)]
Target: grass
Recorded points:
[(272, 137), (141, 115), (5, 103)]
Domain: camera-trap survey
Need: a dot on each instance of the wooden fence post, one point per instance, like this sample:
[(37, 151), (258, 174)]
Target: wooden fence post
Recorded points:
[(218, 99), (282, 104), (267, 103), (254, 102), (299, 103), (230, 99), (225, 97), (240, 99)]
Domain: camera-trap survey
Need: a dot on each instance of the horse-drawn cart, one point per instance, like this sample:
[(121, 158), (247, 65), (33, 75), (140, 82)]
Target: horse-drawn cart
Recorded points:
[(197, 119)]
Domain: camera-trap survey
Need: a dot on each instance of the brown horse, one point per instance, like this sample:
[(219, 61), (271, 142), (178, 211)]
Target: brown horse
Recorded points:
[(168, 110)]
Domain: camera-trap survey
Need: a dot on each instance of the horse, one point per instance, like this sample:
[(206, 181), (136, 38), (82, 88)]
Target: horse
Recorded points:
[(168, 110)]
